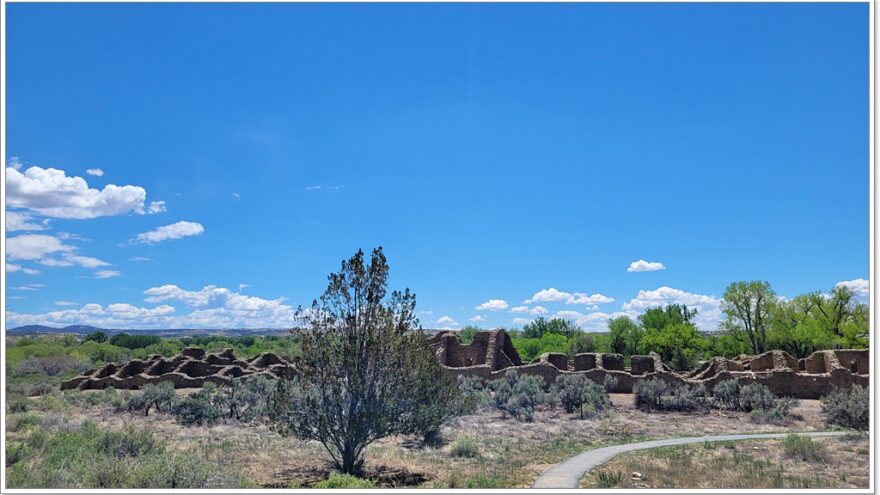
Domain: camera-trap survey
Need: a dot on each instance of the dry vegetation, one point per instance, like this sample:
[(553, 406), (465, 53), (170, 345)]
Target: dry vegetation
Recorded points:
[(482, 450), (836, 462)]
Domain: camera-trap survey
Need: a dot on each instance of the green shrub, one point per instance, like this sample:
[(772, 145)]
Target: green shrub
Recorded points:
[(16, 453), (518, 396), (804, 448), (757, 399), (474, 393), (465, 447), (246, 399), (755, 396), (483, 481), (200, 408), (134, 341), (579, 393), (849, 408), (608, 479), (337, 480), (609, 383), (657, 395), (18, 406), (725, 395), (161, 396)]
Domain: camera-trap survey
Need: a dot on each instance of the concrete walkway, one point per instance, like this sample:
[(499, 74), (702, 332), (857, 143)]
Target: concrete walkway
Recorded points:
[(568, 473)]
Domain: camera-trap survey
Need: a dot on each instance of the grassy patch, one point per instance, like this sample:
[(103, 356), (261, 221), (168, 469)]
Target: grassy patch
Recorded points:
[(337, 480), (804, 448)]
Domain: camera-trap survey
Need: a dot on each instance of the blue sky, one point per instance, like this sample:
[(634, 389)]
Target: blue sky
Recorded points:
[(495, 151)]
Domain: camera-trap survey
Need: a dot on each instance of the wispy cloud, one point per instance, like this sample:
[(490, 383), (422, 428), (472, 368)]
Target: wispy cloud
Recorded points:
[(177, 230)]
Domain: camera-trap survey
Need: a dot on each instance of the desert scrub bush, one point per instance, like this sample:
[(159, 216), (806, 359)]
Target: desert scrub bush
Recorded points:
[(474, 393), (18, 406), (848, 407), (246, 399), (93, 457), (338, 480), (53, 365), (16, 453), (804, 448), (609, 383), (757, 399), (199, 408), (465, 447), (483, 481), (657, 395), (579, 393), (161, 396), (608, 479), (519, 395)]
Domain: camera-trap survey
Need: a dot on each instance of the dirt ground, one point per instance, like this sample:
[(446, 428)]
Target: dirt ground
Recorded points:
[(510, 454)]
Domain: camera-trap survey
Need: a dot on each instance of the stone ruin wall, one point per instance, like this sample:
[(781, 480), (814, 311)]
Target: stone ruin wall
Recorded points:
[(808, 378), (191, 368), (492, 354)]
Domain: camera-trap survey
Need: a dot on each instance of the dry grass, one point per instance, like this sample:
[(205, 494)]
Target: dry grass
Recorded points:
[(511, 453), (742, 464)]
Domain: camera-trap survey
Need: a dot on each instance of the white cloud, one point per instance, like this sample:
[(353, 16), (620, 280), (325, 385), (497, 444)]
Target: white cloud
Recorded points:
[(34, 246), (645, 266), (538, 310), (548, 295), (493, 305), (68, 259), (15, 163), (521, 321), (65, 303), (241, 287), (554, 295), (50, 193), (859, 286), (708, 307), (139, 258), (12, 267), (582, 298), (107, 274), (519, 309), (168, 232), (446, 321), (329, 189), (120, 314), (97, 172), (477, 318), (16, 221)]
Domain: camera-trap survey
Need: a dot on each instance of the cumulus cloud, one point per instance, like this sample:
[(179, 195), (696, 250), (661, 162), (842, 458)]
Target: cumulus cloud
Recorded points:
[(859, 286), (521, 321), (16, 221), (446, 321), (120, 314), (554, 295), (645, 266), (177, 230), (97, 172), (538, 310), (34, 247), (493, 305), (477, 318), (519, 309), (49, 192), (708, 307)]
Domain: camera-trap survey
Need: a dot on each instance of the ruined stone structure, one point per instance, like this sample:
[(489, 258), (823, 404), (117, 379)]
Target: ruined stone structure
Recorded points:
[(192, 368), (492, 354)]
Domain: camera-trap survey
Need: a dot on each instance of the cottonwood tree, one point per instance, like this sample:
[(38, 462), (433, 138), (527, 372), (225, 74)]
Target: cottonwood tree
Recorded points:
[(747, 307), (365, 371)]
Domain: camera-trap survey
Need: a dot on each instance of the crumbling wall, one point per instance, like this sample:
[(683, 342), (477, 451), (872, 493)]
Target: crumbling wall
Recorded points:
[(192, 368), (809, 378)]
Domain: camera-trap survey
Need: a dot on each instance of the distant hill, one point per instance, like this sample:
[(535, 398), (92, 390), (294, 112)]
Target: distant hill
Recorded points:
[(163, 332)]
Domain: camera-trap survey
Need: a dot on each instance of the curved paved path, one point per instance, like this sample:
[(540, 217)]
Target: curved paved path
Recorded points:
[(568, 473)]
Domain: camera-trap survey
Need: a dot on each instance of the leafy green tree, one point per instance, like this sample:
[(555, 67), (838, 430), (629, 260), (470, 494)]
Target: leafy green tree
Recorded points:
[(528, 349), (96, 337), (541, 326), (661, 317), (581, 342), (747, 309), (467, 334), (678, 344), (624, 335), (363, 355), (554, 342)]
